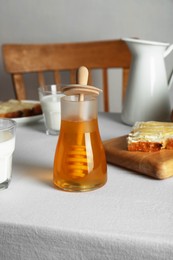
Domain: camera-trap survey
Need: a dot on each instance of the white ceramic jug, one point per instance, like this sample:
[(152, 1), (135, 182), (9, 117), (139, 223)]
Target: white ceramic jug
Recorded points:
[(147, 96)]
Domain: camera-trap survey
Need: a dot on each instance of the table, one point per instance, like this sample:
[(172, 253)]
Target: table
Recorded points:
[(131, 217)]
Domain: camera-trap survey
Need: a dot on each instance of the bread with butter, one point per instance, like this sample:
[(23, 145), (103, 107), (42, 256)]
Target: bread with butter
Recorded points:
[(16, 108), (150, 136)]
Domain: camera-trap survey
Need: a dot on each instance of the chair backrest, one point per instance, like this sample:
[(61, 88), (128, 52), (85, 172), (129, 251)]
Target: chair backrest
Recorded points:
[(28, 58)]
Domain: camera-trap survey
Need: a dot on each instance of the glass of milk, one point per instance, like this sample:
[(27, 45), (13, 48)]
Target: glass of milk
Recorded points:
[(50, 96), (7, 146)]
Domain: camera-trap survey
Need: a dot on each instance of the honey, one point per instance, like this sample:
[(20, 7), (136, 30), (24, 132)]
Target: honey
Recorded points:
[(79, 163)]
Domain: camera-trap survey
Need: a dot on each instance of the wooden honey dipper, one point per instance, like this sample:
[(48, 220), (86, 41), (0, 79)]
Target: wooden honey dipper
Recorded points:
[(81, 89), (79, 160)]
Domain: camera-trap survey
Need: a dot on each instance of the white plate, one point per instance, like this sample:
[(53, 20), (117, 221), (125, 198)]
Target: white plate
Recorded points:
[(28, 119)]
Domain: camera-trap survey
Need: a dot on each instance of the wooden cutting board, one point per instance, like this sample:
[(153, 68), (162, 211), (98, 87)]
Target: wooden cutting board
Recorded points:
[(154, 164)]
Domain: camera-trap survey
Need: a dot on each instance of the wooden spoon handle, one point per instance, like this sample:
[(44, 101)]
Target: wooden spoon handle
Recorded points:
[(83, 75)]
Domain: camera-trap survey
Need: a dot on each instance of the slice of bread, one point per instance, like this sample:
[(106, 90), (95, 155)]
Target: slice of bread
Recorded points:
[(150, 136), (16, 108)]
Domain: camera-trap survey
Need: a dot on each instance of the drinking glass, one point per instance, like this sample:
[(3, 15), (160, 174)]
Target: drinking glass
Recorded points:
[(7, 146), (50, 96)]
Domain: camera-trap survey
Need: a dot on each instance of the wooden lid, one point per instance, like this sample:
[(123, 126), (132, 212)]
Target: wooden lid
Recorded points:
[(78, 89)]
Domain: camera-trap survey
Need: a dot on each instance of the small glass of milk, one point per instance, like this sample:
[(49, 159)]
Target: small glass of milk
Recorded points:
[(50, 96), (7, 146)]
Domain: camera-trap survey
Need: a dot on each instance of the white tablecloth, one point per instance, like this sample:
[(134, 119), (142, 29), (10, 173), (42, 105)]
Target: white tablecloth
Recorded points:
[(131, 217)]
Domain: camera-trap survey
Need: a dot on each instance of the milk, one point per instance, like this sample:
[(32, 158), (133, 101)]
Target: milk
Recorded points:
[(52, 111), (7, 145)]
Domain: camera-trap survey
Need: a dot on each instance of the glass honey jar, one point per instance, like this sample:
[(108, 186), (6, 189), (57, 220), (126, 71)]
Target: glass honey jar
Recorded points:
[(79, 162)]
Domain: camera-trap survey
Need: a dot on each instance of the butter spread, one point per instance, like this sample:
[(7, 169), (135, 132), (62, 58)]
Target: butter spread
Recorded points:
[(151, 131)]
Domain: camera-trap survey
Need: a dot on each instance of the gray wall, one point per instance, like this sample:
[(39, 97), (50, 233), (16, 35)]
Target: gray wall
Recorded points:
[(46, 21)]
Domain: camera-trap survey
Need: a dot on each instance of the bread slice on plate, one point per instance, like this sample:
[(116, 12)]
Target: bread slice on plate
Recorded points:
[(17, 108)]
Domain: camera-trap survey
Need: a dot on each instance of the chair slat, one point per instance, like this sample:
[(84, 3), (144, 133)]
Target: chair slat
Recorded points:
[(90, 77), (125, 81), (41, 79), (57, 77), (105, 90), (19, 89), (73, 77)]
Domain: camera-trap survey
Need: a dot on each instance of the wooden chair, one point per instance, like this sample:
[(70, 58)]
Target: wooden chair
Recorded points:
[(20, 59)]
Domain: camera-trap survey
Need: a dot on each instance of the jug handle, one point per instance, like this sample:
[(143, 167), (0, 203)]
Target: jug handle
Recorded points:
[(166, 53), (170, 80), (168, 50)]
